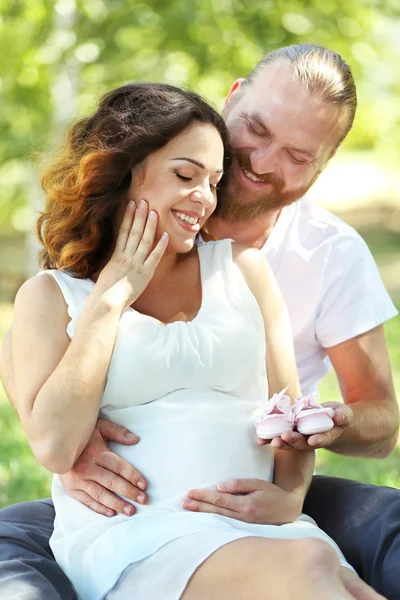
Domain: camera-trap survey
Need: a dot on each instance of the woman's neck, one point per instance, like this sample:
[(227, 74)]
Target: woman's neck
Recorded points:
[(167, 265)]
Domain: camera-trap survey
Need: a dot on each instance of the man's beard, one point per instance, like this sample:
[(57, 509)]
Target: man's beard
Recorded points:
[(236, 204)]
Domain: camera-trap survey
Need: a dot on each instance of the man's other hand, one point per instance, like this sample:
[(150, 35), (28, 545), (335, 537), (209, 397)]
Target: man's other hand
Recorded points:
[(292, 440), (99, 476)]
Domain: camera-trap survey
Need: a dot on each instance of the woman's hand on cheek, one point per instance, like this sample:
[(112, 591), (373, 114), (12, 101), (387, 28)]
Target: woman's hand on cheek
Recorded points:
[(135, 257)]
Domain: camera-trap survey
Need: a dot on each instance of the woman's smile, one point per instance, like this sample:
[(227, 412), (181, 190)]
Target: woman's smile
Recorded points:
[(187, 220)]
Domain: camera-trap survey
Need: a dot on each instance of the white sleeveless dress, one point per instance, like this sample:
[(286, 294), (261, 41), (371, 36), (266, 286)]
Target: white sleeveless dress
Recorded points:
[(188, 390)]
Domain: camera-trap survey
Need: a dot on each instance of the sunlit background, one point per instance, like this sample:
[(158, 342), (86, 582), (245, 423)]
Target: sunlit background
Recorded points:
[(59, 57)]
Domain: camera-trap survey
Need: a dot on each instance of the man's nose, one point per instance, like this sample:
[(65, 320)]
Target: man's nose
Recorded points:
[(263, 160)]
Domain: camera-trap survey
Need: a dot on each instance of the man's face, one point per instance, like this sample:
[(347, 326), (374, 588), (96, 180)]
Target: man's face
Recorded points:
[(282, 138)]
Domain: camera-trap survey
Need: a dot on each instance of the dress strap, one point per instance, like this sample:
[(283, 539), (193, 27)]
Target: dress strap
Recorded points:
[(214, 257), (223, 281)]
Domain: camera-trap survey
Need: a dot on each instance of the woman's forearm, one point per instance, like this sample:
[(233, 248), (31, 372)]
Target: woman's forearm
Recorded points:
[(61, 419)]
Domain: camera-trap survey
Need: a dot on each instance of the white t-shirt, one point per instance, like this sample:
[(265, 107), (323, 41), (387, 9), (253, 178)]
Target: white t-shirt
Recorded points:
[(329, 281)]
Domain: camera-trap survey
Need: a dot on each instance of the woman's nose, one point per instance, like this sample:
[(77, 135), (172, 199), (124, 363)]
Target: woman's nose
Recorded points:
[(204, 196)]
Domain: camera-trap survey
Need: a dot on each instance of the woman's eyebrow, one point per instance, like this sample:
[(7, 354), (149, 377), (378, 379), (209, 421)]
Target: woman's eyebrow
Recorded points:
[(195, 162)]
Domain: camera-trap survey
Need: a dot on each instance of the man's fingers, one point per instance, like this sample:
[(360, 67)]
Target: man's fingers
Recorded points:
[(242, 486), (323, 440), (106, 498), (292, 440), (343, 416), (216, 499), (116, 433), (279, 444), (295, 440), (95, 506), (343, 413), (196, 506), (119, 486), (116, 467), (261, 442)]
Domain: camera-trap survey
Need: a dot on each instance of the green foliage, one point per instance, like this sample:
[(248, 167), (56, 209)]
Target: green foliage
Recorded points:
[(94, 45), (21, 477)]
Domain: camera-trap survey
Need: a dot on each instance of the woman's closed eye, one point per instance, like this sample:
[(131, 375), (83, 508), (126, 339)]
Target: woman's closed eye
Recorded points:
[(183, 177), (213, 186)]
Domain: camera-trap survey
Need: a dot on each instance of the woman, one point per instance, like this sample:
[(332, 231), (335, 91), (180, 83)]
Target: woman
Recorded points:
[(172, 340)]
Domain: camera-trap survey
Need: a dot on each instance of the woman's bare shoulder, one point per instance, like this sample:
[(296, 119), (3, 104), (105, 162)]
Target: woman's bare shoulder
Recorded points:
[(40, 294)]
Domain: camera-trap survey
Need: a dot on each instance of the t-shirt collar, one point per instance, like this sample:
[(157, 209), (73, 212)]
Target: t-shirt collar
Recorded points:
[(280, 229)]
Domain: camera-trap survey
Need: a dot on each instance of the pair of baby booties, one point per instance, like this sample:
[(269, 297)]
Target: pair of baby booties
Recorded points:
[(305, 416)]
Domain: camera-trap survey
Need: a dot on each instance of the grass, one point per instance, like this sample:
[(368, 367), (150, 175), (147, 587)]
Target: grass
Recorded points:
[(21, 478), (378, 471)]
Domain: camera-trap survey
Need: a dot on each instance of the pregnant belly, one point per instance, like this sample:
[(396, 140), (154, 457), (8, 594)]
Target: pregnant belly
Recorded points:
[(191, 444)]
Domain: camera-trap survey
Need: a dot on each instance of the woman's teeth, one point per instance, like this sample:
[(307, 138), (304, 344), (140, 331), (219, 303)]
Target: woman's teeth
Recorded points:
[(251, 176), (183, 217)]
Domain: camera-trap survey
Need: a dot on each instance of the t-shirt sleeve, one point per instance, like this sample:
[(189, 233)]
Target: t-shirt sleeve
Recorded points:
[(353, 297)]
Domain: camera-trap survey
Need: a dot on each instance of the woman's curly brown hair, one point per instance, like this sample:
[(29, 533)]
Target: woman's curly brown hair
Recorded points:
[(86, 185)]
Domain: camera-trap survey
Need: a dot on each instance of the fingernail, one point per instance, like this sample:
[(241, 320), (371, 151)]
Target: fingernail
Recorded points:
[(152, 215), (131, 437), (222, 486), (143, 203), (186, 504), (140, 498), (109, 514), (141, 485), (164, 235), (131, 203), (128, 510)]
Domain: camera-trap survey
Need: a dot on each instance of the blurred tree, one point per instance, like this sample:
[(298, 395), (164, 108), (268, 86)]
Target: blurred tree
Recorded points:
[(89, 46)]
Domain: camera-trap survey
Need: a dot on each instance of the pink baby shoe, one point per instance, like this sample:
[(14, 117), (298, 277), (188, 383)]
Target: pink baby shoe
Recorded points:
[(310, 417), (276, 417)]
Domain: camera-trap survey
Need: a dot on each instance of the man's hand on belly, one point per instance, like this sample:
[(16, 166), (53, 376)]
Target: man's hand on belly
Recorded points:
[(249, 500), (99, 476)]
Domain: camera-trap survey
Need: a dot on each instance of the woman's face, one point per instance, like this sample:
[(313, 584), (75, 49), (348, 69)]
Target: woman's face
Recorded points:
[(179, 182)]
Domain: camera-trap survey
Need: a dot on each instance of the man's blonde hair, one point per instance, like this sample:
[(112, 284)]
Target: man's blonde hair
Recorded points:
[(325, 74)]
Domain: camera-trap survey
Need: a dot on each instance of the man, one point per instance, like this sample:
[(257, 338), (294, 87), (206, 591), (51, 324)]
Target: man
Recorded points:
[(286, 121)]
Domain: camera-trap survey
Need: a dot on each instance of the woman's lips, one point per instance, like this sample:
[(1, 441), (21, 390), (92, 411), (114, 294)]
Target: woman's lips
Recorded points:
[(185, 225)]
